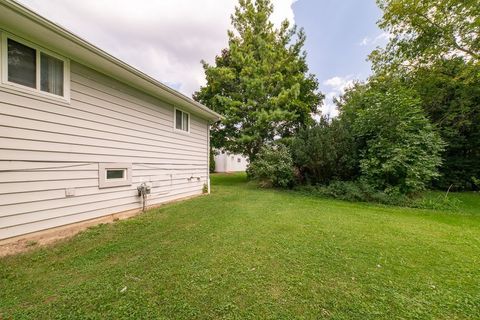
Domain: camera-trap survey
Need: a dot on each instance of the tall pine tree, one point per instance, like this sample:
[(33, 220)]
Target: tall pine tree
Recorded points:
[(260, 83)]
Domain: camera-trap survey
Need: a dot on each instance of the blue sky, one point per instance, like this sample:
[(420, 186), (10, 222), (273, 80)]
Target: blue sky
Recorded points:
[(167, 38), (340, 35)]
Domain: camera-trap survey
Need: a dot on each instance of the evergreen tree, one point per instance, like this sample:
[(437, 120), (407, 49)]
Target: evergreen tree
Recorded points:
[(260, 83)]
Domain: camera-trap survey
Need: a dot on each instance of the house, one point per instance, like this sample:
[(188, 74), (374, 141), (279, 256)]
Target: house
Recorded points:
[(228, 162), (83, 135)]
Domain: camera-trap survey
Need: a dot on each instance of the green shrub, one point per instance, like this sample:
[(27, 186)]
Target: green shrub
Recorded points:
[(361, 191), (325, 152), (400, 149), (272, 167), (355, 191), (212, 161), (476, 182), (439, 202)]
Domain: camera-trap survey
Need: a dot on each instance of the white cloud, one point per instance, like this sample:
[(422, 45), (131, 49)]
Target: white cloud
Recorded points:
[(336, 87), (165, 39), (283, 10), (380, 39), (339, 84), (365, 41)]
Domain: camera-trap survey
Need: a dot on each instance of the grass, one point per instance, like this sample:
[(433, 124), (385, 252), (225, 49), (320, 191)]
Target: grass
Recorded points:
[(246, 253)]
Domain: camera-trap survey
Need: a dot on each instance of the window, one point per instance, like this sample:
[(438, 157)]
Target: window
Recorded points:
[(51, 76), (239, 160), (22, 64), (33, 68), (114, 175), (182, 120)]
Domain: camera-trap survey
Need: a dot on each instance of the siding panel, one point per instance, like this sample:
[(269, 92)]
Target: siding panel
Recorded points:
[(58, 114), (68, 219), (34, 135), (36, 211), (12, 122)]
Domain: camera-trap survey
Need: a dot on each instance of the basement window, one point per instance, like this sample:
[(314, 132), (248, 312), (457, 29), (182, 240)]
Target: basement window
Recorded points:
[(29, 67), (182, 120), (114, 175)]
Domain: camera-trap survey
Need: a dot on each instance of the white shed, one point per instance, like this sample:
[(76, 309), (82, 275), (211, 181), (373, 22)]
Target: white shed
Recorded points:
[(80, 130), (229, 162)]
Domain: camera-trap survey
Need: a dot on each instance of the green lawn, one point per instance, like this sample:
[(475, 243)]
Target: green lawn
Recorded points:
[(246, 253)]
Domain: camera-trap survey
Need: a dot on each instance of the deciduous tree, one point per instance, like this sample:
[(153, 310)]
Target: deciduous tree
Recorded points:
[(425, 31)]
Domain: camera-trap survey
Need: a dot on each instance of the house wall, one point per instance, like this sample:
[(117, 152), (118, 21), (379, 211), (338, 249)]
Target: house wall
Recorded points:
[(226, 162), (47, 147)]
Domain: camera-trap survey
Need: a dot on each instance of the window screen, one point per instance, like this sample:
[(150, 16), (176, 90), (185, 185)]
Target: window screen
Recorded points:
[(51, 75), (22, 64)]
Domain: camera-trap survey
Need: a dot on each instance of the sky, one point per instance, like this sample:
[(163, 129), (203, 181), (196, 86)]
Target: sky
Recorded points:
[(167, 39), (340, 35)]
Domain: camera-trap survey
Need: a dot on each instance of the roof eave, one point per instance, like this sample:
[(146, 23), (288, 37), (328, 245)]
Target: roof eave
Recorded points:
[(78, 49)]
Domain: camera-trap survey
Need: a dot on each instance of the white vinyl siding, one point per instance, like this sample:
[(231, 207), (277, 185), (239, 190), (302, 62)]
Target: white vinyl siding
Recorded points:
[(47, 147)]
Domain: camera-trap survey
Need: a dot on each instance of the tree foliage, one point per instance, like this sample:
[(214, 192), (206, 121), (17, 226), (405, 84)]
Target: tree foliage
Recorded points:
[(273, 167), (435, 48), (260, 83), (450, 96), (325, 152), (424, 31), (399, 148)]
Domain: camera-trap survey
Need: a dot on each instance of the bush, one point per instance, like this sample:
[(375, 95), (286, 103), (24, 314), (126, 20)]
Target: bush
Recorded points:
[(400, 149), (450, 94), (325, 152), (476, 182), (272, 167), (356, 191), (212, 161)]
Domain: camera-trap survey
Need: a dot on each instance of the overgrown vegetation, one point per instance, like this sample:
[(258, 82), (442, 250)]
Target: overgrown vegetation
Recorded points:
[(399, 149), (273, 167), (325, 152), (434, 49), (414, 125), (382, 148), (449, 91), (359, 191)]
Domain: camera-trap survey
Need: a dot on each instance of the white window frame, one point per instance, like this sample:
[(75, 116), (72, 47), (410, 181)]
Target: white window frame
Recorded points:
[(38, 49), (175, 121), (103, 182)]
